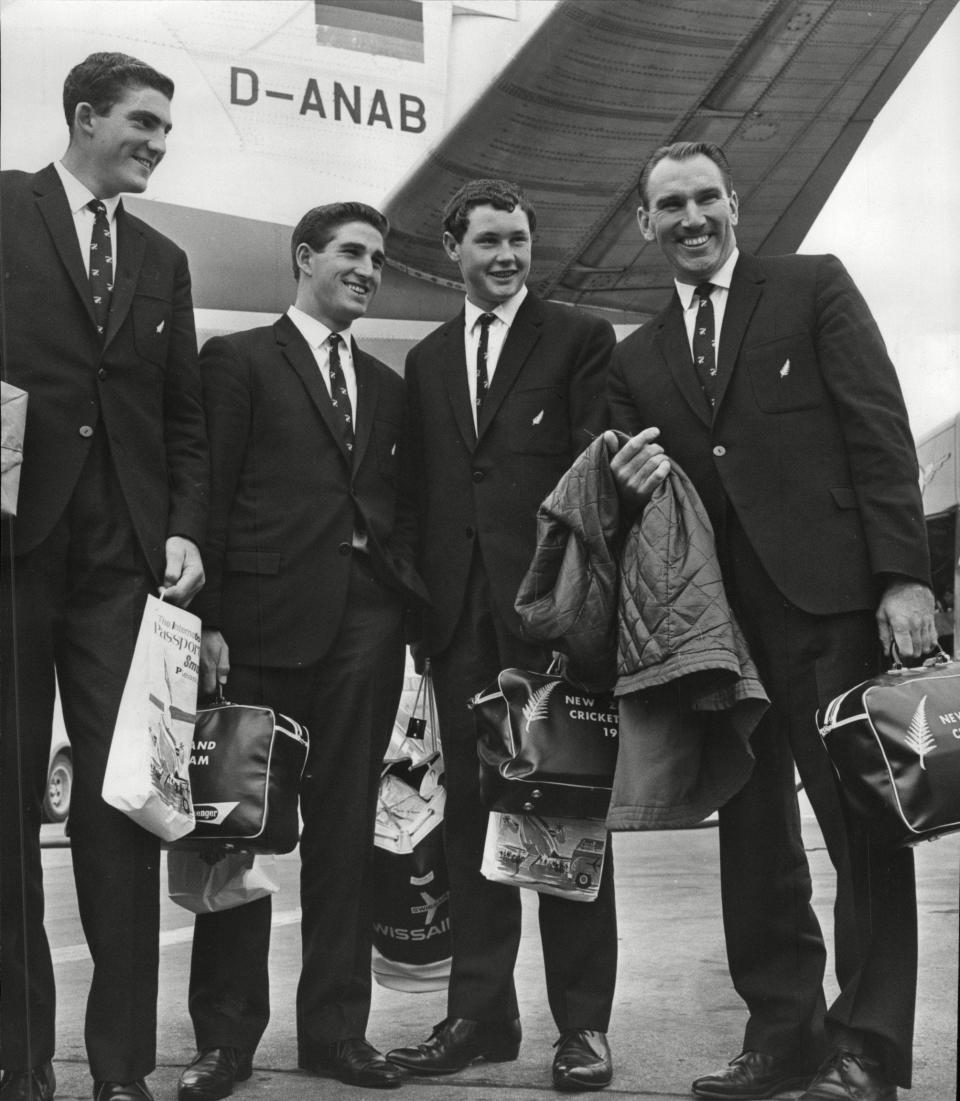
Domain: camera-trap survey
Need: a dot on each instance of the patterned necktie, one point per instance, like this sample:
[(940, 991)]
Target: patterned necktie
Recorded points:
[(704, 341), (101, 264), (338, 390), (485, 320)]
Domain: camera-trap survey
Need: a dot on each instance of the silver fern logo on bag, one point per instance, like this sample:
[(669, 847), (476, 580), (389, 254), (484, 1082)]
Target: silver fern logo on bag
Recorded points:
[(581, 709), (918, 737)]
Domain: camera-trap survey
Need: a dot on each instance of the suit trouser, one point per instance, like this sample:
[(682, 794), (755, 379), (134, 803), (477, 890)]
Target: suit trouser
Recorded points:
[(579, 939), (348, 701), (77, 603), (774, 943)]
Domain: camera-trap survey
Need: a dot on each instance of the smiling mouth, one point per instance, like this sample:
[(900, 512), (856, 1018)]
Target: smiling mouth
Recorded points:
[(357, 288), (694, 242), (148, 165)]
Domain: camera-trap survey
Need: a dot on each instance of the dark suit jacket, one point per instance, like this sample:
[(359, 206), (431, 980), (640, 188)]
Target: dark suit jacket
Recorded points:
[(142, 382), (809, 441), (285, 494), (545, 404)]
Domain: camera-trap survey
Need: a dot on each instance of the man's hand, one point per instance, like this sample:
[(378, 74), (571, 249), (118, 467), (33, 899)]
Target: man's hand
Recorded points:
[(214, 661), (638, 467), (183, 576), (905, 616)]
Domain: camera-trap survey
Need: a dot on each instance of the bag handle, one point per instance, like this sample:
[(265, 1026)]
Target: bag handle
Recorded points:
[(939, 657)]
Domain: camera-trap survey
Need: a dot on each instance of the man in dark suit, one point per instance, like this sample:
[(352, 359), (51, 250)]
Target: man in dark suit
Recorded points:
[(502, 398), (98, 329), (792, 427), (310, 558)]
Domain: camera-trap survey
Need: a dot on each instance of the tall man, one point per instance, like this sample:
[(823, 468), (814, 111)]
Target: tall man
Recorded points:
[(770, 385), (98, 329), (501, 399), (310, 567)]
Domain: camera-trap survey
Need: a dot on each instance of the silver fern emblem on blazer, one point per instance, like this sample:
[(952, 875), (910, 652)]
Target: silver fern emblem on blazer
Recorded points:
[(538, 706), (918, 736)]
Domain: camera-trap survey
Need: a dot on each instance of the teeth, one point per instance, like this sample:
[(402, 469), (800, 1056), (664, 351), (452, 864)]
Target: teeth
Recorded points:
[(694, 242)]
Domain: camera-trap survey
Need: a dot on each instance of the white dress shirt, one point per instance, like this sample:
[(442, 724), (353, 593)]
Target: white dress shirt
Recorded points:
[(504, 313), (78, 195), (721, 292)]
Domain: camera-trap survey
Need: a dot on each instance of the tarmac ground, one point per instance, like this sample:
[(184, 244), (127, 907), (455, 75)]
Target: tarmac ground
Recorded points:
[(676, 1014)]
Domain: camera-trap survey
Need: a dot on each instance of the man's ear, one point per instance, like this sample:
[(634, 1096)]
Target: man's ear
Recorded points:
[(643, 221), (304, 256), (451, 247), (83, 118)]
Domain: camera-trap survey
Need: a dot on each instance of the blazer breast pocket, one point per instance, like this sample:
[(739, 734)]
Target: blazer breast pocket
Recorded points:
[(538, 421), (152, 316), (784, 374)]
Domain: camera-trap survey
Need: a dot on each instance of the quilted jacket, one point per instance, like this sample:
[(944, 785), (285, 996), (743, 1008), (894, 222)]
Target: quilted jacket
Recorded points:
[(640, 607)]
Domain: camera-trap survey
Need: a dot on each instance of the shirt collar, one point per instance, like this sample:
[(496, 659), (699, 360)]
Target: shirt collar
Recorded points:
[(78, 194), (720, 278), (314, 332), (505, 311)]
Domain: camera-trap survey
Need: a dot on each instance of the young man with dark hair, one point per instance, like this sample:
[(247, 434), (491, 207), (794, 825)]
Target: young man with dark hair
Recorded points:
[(310, 568), (770, 386), (501, 400), (98, 329)]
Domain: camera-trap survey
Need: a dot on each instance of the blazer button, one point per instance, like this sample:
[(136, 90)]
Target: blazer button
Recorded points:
[(101, 374), (719, 451), (469, 533), (344, 549), (478, 475), (86, 431)]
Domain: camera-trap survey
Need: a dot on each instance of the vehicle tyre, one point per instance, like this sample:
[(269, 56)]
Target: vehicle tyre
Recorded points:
[(584, 880), (56, 803)]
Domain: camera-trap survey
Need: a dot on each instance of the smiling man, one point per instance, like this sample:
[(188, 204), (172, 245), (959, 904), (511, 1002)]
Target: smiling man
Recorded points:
[(769, 384), (98, 329), (502, 399), (309, 570)]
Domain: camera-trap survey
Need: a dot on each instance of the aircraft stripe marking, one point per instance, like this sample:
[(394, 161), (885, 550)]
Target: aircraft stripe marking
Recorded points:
[(74, 953)]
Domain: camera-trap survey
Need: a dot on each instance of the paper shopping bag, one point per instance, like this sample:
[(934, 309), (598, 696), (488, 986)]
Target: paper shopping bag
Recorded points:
[(208, 882), (147, 774)]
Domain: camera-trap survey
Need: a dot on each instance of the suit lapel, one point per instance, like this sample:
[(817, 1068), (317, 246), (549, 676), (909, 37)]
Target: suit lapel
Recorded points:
[(368, 393), (297, 353), (745, 289), (454, 367), (52, 204), (524, 334), (672, 343), (131, 246)]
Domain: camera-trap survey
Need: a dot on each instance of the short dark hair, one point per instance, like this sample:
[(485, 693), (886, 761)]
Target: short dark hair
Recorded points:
[(102, 79), (684, 151), (500, 194), (318, 226)]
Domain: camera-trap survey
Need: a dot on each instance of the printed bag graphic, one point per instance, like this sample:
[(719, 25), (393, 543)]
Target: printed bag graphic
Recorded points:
[(147, 774), (895, 743)]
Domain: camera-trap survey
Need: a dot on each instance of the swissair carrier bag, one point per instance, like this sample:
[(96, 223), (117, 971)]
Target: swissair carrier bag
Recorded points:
[(245, 769), (895, 743)]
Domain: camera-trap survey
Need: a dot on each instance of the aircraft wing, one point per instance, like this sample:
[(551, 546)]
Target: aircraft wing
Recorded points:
[(789, 90)]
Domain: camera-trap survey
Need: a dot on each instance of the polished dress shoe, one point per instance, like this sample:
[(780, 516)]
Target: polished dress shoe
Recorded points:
[(751, 1075), (582, 1061), (122, 1091), (848, 1077), (456, 1042), (357, 1063), (28, 1085), (213, 1073)]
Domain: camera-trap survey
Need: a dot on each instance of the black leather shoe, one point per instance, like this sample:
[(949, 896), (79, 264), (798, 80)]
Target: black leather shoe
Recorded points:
[(751, 1075), (28, 1085), (848, 1077), (582, 1061), (213, 1073), (357, 1063), (456, 1042), (122, 1091)]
